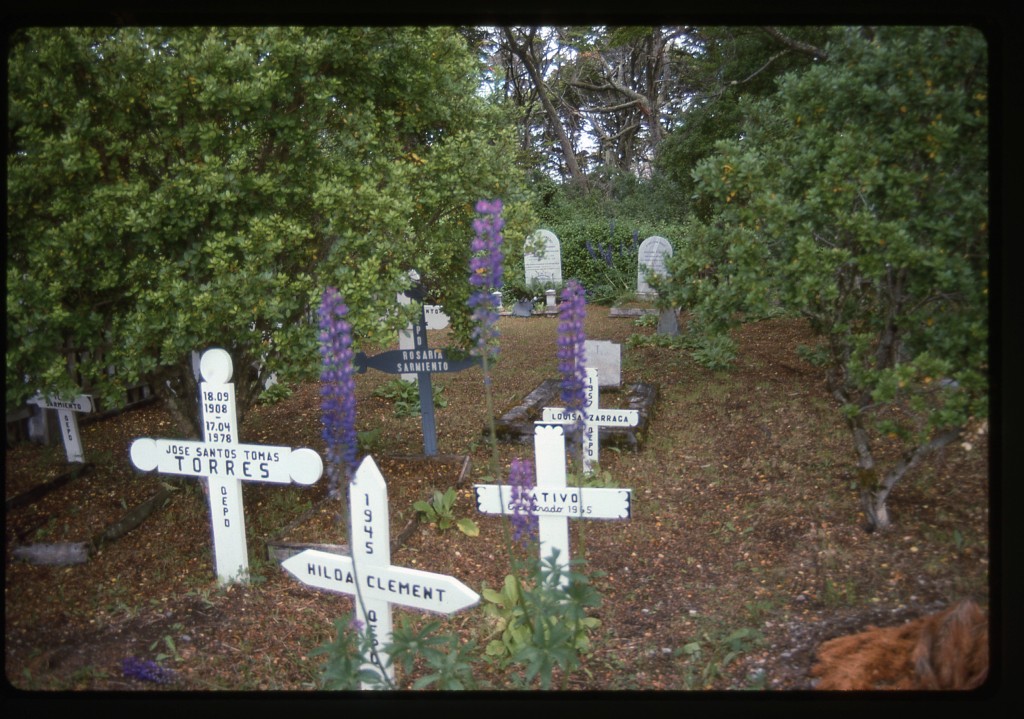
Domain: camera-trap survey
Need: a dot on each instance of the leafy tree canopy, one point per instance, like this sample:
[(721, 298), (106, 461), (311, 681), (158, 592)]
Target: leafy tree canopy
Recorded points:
[(857, 196), (173, 189)]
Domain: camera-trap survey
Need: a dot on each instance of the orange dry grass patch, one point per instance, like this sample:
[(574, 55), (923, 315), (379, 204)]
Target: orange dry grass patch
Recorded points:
[(947, 650)]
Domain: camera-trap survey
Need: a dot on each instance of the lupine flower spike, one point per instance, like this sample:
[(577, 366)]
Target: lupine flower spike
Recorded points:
[(521, 482), (147, 670), (485, 276), (571, 345), (337, 390)]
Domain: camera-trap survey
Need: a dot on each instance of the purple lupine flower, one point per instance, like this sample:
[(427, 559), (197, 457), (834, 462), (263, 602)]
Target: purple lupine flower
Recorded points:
[(571, 338), (608, 260), (337, 390), (521, 482), (486, 267), (147, 670)]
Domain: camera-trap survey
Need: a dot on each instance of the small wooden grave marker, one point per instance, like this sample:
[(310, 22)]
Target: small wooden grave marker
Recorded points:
[(369, 575), (225, 463), (421, 361), (552, 501), (594, 417), (67, 416)]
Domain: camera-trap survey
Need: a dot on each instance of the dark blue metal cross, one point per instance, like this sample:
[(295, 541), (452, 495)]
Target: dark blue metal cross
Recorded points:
[(422, 361)]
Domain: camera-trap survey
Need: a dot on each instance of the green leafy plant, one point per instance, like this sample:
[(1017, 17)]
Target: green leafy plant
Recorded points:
[(368, 440), (596, 477), (448, 658), (346, 655), (707, 656), (646, 321), (275, 393), (170, 645), (715, 352), (440, 511), (882, 245), (543, 626), (406, 396)]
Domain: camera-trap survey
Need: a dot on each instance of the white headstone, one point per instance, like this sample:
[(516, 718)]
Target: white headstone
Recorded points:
[(552, 501), (369, 575), (545, 268), (68, 420), (225, 462), (651, 261), (606, 357), (436, 317)]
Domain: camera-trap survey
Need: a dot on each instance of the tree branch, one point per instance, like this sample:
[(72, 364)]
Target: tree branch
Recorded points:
[(798, 45)]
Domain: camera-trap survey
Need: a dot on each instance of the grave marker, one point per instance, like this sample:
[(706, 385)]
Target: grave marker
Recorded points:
[(651, 261), (546, 269), (552, 501), (606, 357), (436, 319), (421, 361), (368, 574), (225, 463), (68, 420), (594, 417)]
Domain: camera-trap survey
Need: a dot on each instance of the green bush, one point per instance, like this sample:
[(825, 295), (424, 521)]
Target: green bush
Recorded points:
[(406, 396)]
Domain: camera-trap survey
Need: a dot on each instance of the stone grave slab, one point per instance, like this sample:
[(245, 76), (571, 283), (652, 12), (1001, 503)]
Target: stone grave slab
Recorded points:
[(516, 425), (632, 312)]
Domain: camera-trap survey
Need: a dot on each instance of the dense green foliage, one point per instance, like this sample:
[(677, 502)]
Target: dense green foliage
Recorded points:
[(858, 198), (735, 65), (599, 231), (175, 189)]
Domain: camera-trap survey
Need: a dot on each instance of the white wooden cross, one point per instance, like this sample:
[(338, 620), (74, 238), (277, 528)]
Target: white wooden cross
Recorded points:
[(225, 462), (368, 573), (594, 417), (552, 501), (68, 419)]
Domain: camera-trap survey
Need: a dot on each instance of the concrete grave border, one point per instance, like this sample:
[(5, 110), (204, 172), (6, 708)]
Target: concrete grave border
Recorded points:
[(517, 424)]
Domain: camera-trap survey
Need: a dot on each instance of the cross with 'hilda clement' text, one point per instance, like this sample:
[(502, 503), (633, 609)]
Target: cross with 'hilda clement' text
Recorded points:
[(369, 575)]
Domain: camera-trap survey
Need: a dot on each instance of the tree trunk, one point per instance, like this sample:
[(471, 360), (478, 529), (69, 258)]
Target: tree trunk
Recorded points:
[(554, 121), (874, 502)]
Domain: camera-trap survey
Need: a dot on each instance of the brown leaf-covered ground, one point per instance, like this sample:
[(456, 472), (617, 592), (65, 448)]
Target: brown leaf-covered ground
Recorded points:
[(744, 552)]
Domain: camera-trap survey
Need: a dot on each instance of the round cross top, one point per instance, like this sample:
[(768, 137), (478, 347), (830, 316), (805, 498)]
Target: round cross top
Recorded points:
[(305, 466), (144, 454), (215, 366)]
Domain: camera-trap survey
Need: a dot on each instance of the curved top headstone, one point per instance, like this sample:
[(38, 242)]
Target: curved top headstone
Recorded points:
[(215, 366), (547, 267), (651, 261)]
